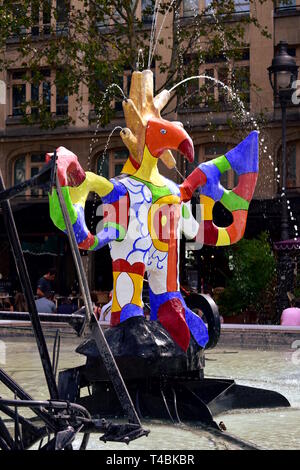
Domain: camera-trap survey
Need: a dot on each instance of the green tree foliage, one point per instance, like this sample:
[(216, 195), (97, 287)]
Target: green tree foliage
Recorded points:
[(252, 264), (93, 42)]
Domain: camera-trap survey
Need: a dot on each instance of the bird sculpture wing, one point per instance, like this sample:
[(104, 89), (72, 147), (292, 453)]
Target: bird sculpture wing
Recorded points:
[(76, 184), (243, 159)]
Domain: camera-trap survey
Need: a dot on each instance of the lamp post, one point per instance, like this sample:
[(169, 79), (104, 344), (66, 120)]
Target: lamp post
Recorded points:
[(282, 73)]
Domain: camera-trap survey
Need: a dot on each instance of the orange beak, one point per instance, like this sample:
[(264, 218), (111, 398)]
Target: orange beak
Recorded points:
[(164, 135)]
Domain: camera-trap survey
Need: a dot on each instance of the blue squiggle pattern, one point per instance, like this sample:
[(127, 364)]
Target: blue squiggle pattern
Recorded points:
[(144, 242), (155, 256)]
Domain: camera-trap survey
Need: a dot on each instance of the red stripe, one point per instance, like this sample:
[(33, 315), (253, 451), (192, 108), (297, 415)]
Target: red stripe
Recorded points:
[(134, 163), (88, 242), (210, 233), (237, 228), (193, 181), (246, 186), (172, 256), (115, 318), (121, 265)]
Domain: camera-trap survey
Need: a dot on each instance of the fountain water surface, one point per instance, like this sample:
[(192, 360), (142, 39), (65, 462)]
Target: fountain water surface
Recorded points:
[(269, 429)]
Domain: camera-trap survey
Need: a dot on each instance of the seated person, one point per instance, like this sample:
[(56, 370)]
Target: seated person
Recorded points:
[(45, 304), (106, 310), (291, 316), (45, 283), (66, 306), (20, 304)]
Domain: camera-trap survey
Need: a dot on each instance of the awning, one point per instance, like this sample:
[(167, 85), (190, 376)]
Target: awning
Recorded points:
[(292, 244)]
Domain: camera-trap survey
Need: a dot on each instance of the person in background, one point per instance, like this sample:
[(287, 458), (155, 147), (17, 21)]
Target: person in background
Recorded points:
[(45, 304), (291, 316), (106, 310), (45, 283), (6, 305), (95, 303), (66, 307), (20, 304)]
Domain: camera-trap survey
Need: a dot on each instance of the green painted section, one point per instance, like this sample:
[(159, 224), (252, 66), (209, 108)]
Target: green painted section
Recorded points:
[(157, 191), (96, 243), (122, 231), (55, 210), (233, 202), (222, 163), (185, 212)]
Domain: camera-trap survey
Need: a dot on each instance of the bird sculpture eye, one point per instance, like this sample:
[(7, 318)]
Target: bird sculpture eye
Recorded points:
[(163, 131)]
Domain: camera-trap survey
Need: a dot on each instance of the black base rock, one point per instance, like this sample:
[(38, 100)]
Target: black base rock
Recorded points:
[(142, 349)]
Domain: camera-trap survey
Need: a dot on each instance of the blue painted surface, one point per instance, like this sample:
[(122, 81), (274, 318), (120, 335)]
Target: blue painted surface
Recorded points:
[(129, 311), (212, 188), (195, 323), (197, 327), (118, 191), (80, 229), (107, 235), (244, 157)]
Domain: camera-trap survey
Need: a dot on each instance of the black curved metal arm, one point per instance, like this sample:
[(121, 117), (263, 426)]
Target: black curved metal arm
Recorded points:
[(210, 309), (42, 179), (76, 320)]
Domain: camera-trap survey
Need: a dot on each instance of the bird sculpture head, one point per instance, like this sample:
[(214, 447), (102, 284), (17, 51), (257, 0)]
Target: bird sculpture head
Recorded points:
[(146, 132)]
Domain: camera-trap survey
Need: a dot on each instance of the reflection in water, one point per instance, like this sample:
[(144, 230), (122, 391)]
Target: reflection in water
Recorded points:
[(272, 429)]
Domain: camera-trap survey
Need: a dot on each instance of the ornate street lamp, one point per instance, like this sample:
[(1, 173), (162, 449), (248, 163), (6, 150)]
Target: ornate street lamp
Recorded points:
[(282, 73)]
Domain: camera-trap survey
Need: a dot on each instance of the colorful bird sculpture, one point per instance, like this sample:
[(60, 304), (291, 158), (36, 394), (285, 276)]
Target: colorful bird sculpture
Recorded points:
[(145, 213)]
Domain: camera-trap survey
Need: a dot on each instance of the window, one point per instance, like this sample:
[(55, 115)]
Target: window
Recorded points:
[(286, 5), (35, 18), (41, 91), (191, 98), (242, 83), (235, 76), (18, 99), (33, 93), (25, 167), (147, 11), (62, 103), (207, 92), (62, 99), (62, 12), (124, 83), (240, 6), (19, 12), (46, 10), (190, 8), (41, 15), (41, 18), (112, 163), (18, 93)]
